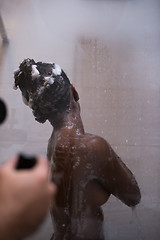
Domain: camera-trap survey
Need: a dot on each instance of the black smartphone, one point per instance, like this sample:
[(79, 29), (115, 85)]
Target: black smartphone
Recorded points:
[(26, 162), (3, 111)]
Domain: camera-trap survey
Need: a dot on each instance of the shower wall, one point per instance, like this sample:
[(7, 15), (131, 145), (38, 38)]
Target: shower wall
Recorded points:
[(110, 51)]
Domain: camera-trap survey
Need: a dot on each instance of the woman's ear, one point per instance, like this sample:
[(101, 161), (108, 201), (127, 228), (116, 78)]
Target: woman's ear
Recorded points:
[(74, 92)]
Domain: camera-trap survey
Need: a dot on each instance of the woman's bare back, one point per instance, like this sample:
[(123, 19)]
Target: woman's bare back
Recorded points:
[(82, 170)]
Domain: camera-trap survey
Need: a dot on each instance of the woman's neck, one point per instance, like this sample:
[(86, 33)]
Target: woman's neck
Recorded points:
[(69, 121)]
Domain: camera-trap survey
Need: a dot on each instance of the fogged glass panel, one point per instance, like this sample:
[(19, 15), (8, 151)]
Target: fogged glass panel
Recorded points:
[(110, 52)]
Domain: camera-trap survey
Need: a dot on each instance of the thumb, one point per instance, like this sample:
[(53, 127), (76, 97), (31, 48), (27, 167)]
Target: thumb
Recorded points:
[(11, 163), (41, 166)]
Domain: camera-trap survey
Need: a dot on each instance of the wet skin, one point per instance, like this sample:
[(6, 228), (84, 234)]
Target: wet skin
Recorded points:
[(84, 166), (87, 171)]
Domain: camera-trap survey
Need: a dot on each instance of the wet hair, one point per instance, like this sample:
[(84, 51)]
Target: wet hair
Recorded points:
[(45, 88)]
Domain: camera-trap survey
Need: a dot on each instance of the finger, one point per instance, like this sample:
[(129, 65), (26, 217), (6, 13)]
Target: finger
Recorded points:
[(52, 192), (11, 163), (52, 189), (42, 166)]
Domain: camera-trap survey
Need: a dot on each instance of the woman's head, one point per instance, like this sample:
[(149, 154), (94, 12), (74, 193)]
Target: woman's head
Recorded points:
[(45, 88)]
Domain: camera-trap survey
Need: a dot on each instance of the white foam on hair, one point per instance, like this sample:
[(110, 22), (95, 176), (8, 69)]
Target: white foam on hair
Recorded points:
[(35, 73), (16, 70), (49, 80), (56, 70), (41, 89)]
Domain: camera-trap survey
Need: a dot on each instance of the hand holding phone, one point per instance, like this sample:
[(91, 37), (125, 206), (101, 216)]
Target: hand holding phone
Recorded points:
[(26, 162)]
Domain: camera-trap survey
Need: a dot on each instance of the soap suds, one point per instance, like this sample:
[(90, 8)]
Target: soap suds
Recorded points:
[(16, 71), (57, 70), (50, 80), (35, 73)]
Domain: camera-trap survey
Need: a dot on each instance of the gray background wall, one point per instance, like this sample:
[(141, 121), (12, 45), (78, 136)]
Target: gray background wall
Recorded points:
[(110, 50)]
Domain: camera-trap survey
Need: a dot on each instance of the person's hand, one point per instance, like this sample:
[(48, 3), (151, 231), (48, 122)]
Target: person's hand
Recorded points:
[(24, 198)]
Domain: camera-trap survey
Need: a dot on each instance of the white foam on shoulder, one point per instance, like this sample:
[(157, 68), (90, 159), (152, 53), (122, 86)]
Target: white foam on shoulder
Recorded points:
[(56, 70), (35, 73)]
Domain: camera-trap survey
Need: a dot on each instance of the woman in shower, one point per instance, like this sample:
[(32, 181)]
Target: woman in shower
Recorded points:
[(84, 166)]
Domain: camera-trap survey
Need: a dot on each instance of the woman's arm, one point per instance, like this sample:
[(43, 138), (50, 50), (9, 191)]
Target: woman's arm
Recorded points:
[(115, 176)]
